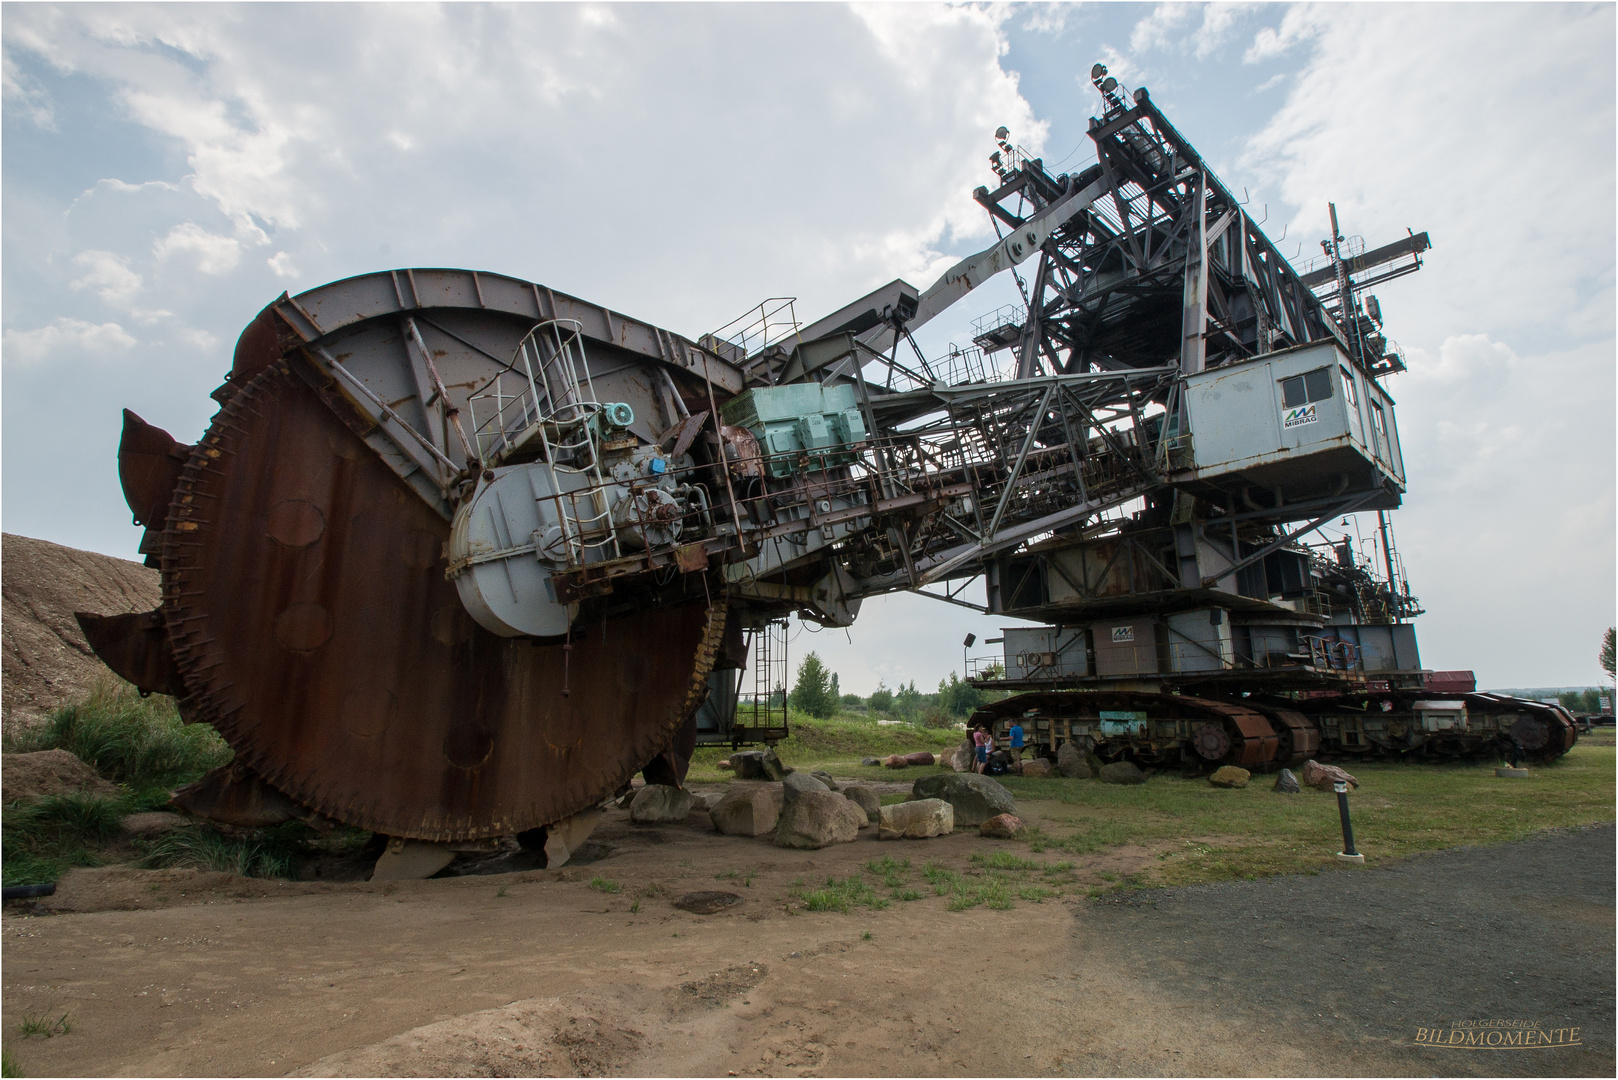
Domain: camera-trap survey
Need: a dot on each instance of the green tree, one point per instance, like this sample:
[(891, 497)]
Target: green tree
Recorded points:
[(1609, 654), (882, 699), (907, 699), (957, 698), (812, 692)]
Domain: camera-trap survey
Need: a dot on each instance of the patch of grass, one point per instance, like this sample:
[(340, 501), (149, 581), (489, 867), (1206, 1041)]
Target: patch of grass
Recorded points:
[(501, 891), (1038, 894), (893, 872), (634, 909), (45, 837), (1005, 860), (43, 1026), (887, 865), (865, 936), (135, 741), (8, 1064), (994, 892), (838, 745), (906, 894), (262, 853), (604, 885), (843, 896), (1399, 809)]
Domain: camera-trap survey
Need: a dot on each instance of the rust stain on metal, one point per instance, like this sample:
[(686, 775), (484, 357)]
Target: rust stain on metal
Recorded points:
[(318, 644)]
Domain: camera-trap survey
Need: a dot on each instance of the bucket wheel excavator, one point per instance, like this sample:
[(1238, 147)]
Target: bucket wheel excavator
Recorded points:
[(460, 554)]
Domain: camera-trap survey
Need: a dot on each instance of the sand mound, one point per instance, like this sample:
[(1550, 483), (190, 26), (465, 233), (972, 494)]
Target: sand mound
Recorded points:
[(45, 660), (47, 772)]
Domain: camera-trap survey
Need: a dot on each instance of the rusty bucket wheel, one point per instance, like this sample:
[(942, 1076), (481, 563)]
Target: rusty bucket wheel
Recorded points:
[(309, 616)]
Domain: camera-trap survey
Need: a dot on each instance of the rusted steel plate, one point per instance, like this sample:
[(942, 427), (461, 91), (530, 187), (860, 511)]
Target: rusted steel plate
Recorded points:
[(149, 464), (307, 609), (136, 648)]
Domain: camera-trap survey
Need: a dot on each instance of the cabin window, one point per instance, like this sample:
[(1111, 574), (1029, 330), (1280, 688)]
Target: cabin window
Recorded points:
[(1351, 395), (1302, 389)]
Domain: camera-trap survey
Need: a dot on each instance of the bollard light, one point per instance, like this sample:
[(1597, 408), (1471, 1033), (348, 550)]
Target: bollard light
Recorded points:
[(1348, 854)]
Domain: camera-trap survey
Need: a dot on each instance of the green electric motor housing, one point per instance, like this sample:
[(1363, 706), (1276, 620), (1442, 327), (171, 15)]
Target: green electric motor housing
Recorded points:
[(800, 426)]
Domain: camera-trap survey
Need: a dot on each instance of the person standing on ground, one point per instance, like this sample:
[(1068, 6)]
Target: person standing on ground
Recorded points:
[(1016, 740), (981, 739)]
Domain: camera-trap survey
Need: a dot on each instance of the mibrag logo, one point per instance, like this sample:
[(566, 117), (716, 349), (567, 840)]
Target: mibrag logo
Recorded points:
[(1303, 414)]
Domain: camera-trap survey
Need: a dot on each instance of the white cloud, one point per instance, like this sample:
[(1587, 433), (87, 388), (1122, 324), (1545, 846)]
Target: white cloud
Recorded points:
[(1169, 27), (1046, 18), (1300, 23), (212, 253), (1218, 20), (281, 263), (22, 94), (109, 275), (66, 339), (1160, 28)]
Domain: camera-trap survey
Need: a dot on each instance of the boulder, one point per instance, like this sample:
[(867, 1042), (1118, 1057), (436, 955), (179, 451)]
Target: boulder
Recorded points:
[(1122, 772), (48, 772), (870, 761), (725, 763), (1316, 775), (1287, 782), (1037, 768), (657, 803), (153, 823), (1094, 762), (975, 798), (959, 758), (816, 819), (748, 764), (825, 778), (896, 761), (865, 797), (709, 799), (798, 783), (747, 811), (920, 757), (1003, 827), (1070, 762), (915, 820), (759, 765), (1229, 776)]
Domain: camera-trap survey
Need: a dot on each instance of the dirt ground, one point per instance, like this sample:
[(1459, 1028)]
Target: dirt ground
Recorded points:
[(180, 973)]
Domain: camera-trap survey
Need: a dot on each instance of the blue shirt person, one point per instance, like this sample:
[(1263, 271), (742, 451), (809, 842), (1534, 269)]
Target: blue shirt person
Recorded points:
[(1016, 736)]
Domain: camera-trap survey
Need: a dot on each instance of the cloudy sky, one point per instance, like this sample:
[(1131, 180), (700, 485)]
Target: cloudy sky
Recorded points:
[(168, 170)]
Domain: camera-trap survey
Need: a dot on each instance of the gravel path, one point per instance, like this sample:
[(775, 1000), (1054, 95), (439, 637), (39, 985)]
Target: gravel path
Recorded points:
[(1339, 970)]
